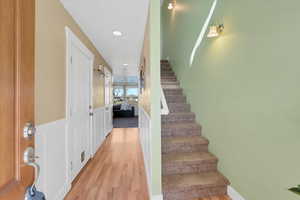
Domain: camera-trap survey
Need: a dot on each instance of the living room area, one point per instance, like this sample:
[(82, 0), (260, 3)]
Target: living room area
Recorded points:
[(125, 102)]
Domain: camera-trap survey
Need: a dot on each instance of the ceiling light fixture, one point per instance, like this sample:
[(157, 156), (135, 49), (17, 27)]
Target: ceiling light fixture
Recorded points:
[(117, 33), (170, 6), (215, 31), (125, 65)]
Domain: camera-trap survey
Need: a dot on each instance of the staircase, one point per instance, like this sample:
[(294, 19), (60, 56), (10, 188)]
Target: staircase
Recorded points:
[(189, 170)]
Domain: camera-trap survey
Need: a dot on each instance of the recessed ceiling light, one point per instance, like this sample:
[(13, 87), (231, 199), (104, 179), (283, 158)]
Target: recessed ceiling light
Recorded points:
[(125, 65), (117, 33)]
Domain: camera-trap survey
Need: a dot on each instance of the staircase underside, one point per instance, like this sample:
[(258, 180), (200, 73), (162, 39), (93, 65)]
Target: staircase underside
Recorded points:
[(189, 170)]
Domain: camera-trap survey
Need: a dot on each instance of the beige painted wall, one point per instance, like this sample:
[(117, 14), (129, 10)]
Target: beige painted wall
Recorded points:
[(145, 96), (50, 66)]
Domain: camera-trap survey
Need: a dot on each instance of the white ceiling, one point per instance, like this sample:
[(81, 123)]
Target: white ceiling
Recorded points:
[(99, 18)]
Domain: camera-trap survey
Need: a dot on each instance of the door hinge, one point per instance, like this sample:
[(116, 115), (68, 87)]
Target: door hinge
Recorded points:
[(71, 59), (71, 165)]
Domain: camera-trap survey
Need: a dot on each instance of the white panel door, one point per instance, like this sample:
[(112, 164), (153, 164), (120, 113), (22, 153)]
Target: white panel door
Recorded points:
[(79, 123)]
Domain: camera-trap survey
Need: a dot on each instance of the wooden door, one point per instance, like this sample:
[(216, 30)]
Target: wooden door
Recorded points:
[(17, 95)]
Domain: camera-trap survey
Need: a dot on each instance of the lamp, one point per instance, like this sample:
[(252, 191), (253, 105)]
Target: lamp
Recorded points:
[(215, 31)]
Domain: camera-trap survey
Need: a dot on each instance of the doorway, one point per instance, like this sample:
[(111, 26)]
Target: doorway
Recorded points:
[(80, 62), (125, 95)]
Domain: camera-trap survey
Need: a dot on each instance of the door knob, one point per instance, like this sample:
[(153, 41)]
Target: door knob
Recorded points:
[(29, 130)]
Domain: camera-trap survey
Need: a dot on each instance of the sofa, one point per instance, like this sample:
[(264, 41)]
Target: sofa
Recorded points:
[(118, 113)]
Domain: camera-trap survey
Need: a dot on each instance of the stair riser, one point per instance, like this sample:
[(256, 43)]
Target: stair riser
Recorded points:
[(166, 69), (170, 83), (173, 92), (176, 99), (183, 148), (176, 118), (172, 132), (179, 107), (169, 79), (194, 193), (188, 167), (167, 74)]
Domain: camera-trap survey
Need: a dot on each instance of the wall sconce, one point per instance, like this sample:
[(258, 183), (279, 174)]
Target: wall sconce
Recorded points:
[(100, 69), (215, 31), (171, 6)]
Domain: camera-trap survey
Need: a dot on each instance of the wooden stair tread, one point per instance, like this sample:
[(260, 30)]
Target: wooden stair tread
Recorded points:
[(199, 180)]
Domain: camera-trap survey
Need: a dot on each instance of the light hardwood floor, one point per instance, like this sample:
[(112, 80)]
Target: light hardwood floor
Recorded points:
[(116, 172)]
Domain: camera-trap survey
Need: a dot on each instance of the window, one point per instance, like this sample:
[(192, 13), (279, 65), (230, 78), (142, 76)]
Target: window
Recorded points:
[(132, 92), (125, 93), (118, 91)]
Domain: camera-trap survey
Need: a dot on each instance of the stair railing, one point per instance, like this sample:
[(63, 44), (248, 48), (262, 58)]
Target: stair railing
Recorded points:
[(163, 102)]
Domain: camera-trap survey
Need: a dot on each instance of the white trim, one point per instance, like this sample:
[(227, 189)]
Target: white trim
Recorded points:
[(157, 197), (145, 140), (165, 108), (71, 37), (233, 194)]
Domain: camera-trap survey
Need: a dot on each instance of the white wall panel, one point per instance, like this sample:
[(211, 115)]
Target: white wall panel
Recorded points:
[(51, 147), (145, 139), (98, 129)]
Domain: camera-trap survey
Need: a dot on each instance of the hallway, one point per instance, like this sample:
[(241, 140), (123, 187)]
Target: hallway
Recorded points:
[(116, 171)]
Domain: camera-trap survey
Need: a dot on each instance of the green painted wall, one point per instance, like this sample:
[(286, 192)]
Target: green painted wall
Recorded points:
[(154, 37), (244, 88)]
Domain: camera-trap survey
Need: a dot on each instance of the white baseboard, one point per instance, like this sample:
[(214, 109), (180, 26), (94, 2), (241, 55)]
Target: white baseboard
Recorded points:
[(63, 192), (157, 197), (233, 194)]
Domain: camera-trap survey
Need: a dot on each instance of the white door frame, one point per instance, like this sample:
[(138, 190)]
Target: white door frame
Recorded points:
[(72, 38), (108, 105)]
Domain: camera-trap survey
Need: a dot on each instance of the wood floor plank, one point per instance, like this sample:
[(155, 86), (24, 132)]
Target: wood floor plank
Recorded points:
[(116, 172)]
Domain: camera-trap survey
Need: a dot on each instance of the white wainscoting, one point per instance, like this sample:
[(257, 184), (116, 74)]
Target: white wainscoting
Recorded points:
[(98, 129), (233, 194), (50, 145), (145, 139), (108, 119), (52, 149)]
